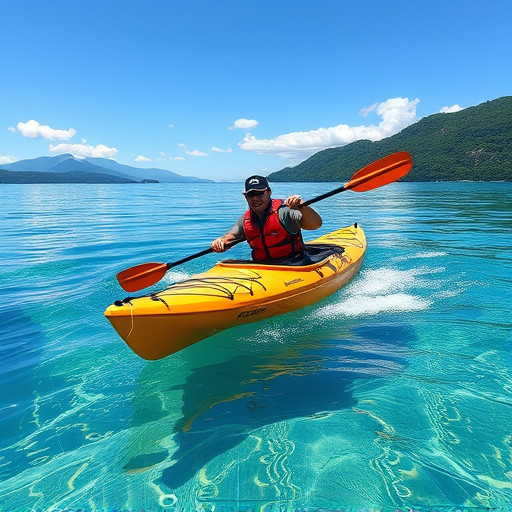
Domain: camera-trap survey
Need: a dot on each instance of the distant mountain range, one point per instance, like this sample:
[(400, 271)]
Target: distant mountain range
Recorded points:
[(68, 169), (474, 144)]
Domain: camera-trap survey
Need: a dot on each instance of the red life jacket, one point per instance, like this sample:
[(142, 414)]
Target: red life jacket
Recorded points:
[(268, 238)]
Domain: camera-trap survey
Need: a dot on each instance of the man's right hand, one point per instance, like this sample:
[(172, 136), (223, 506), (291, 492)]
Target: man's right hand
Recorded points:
[(218, 245)]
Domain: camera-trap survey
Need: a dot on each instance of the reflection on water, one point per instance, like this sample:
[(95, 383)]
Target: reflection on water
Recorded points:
[(224, 403)]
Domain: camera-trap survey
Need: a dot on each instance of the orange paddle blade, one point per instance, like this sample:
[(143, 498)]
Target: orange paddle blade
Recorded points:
[(141, 276), (381, 172)]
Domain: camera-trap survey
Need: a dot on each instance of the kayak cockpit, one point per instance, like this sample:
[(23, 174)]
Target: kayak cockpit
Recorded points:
[(316, 253)]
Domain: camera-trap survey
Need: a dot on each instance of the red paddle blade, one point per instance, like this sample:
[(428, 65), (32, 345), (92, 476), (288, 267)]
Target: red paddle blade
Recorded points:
[(141, 276), (381, 172)]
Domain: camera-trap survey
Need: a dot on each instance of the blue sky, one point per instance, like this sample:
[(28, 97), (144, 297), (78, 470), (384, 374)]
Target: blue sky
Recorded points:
[(223, 89)]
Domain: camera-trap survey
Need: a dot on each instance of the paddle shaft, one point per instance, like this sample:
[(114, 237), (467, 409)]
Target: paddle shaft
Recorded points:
[(377, 174), (358, 181), (351, 184), (198, 255), (323, 196), (396, 161)]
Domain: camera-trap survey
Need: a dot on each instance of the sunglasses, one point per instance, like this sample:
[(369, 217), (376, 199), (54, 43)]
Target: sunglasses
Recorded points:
[(254, 193)]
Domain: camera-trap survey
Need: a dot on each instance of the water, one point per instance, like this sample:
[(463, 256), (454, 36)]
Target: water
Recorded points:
[(394, 392)]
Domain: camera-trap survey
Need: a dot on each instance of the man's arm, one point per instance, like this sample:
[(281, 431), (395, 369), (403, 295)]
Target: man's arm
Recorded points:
[(234, 234), (310, 218)]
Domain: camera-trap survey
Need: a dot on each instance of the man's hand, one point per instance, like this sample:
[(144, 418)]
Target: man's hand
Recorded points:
[(310, 218), (223, 243), (219, 245), (293, 202)]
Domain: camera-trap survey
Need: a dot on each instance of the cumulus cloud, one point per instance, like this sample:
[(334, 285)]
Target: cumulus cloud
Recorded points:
[(12, 129), (7, 159), (176, 158), (218, 150), (194, 152), (244, 124), (396, 114), (141, 158), (82, 150), (33, 130), (449, 110)]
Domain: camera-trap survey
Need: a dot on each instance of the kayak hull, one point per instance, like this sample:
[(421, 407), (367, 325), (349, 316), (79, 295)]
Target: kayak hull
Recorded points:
[(231, 294)]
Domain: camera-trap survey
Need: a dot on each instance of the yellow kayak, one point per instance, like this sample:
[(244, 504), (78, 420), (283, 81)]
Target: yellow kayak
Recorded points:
[(233, 293)]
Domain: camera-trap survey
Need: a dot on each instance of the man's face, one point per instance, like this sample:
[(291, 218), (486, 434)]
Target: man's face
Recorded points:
[(258, 200)]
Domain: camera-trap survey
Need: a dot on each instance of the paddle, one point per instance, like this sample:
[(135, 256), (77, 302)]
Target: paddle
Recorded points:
[(377, 174)]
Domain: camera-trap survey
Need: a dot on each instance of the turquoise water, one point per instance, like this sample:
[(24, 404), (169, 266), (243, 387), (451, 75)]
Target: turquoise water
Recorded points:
[(395, 392)]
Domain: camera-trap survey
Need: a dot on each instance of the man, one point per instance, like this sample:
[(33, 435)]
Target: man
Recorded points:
[(272, 227)]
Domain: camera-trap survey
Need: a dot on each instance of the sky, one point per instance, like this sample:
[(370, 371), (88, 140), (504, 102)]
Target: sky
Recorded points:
[(224, 89)]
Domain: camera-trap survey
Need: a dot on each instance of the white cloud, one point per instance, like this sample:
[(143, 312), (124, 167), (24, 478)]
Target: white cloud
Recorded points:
[(449, 110), (12, 129), (396, 114), (218, 150), (176, 158), (7, 159), (244, 124), (34, 130), (82, 151), (194, 152), (170, 126), (366, 110), (141, 158)]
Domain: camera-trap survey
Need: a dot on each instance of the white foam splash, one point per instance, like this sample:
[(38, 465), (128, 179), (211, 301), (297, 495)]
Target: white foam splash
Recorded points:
[(379, 291), (422, 255), (358, 305), (431, 254), (175, 276), (384, 280)]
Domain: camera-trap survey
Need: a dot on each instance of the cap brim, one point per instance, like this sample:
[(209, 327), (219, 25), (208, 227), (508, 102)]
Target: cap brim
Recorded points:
[(255, 190)]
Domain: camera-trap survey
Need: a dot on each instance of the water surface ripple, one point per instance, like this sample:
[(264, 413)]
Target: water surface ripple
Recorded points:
[(393, 393)]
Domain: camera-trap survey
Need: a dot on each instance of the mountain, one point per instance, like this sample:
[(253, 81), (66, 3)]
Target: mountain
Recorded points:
[(162, 175), (473, 144), (59, 177), (68, 164)]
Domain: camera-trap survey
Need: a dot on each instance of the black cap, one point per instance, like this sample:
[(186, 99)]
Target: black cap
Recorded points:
[(255, 183)]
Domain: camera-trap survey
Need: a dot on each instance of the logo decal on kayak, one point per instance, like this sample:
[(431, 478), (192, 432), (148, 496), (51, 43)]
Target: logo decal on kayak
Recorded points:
[(252, 312), (293, 281)]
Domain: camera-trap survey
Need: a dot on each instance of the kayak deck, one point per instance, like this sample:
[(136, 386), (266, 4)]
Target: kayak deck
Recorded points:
[(235, 292)]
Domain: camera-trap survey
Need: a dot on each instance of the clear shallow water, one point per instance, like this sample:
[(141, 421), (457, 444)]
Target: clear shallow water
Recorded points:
[(393, 392)]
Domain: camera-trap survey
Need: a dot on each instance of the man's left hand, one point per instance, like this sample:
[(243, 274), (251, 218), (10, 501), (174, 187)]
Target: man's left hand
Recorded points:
[(293, 202)]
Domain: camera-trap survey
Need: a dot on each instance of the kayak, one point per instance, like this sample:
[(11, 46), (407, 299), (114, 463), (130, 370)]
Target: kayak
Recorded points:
[(235, 292)]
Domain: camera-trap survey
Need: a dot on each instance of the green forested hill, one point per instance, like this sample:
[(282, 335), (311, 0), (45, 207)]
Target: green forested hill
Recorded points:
[(473, 144)]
